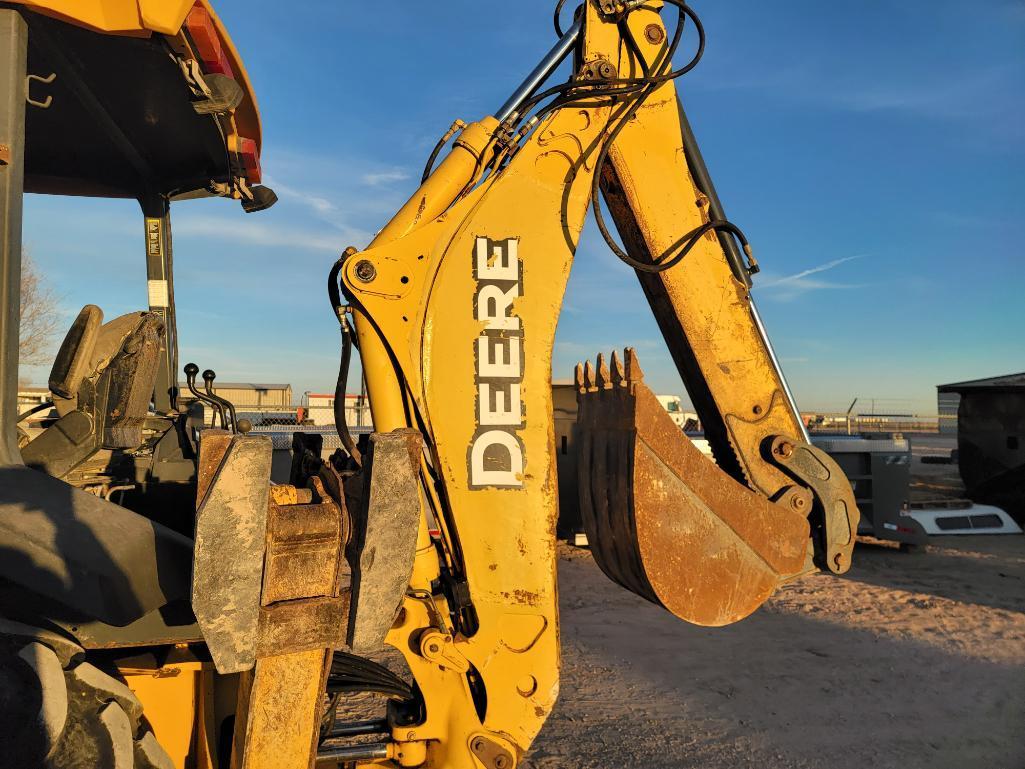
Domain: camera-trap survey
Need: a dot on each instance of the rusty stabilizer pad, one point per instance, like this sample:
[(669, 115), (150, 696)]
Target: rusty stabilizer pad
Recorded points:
[(385, 536), (231, 533), (662, 519)]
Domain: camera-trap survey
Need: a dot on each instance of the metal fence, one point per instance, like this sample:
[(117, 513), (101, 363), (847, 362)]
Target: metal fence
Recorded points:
[(852, 424), (281, 435)]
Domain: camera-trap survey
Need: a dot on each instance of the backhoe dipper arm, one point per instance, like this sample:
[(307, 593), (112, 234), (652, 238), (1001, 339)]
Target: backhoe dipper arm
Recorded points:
[(455, 306), (662, 200)]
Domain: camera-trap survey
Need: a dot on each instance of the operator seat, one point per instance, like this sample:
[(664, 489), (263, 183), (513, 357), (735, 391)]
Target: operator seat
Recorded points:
[(102, 383)]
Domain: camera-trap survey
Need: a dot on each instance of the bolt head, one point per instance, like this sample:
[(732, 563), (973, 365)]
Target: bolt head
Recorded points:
[(654, 34), (365, 271), (501, 762)]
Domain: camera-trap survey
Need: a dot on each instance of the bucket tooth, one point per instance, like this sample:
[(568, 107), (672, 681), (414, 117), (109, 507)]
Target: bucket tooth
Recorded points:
[(618, 372), (578, 378), (662, 519), (633, 367), (589, 377), (603, 379)]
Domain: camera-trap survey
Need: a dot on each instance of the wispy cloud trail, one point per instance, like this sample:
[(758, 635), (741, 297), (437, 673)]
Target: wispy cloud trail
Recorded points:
[(798, 277), (789, 287)]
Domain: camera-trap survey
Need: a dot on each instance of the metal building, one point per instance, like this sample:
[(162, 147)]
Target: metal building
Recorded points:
[(991, 439), (946, 407), (250, 395)]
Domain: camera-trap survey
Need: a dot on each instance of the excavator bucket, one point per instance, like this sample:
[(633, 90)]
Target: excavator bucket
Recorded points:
[(663, 520)]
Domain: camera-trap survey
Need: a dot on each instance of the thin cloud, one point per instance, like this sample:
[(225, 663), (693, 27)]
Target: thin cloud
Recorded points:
[(385, 177), (267, 235), (974, 95), (796, 278), (790, 287), (317, 204)]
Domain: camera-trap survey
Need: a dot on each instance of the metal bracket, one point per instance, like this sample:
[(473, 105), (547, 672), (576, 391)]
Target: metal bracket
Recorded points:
[(440, 649), (834, 498), (40, 79), (490, 753)]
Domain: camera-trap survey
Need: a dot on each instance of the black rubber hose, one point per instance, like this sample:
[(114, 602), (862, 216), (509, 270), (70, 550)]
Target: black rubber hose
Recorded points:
[(557, 20), (34, 410), (429, 168), (342, 383)]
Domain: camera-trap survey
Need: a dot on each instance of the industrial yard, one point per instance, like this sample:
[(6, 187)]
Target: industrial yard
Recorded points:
[(665, 410)]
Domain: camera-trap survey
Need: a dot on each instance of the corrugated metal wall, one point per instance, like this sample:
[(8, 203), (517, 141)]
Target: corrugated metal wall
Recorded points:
[(253, 396), (947, 404)]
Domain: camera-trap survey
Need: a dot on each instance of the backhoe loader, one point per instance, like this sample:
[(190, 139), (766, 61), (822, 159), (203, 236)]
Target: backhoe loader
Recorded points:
[(232, 632)]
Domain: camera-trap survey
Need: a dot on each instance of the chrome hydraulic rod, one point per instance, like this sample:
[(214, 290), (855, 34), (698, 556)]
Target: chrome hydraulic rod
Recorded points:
[(542, 71), (370, 751), (359, 728), (779, 370)]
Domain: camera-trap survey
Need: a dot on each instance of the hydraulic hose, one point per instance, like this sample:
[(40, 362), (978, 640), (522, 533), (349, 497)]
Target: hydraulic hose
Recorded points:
[(342, 383)]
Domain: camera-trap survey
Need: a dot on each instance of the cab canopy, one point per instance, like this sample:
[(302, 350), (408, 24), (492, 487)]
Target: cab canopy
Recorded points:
[(137, 99)]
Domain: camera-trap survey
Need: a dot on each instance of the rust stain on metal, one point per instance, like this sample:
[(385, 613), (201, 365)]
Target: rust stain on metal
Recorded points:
[(302, 612)]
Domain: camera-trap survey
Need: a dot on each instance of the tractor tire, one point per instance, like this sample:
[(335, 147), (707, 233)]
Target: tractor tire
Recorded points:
[(69, 715)]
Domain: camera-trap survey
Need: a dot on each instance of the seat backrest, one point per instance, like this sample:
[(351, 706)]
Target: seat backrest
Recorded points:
[(74, 359), (102, 387), (128, 354)]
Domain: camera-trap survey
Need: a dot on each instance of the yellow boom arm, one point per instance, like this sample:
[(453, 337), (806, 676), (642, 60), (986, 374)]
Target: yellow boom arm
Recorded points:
[(455, 306)]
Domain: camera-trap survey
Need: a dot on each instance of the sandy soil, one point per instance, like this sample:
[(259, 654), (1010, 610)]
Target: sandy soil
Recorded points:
[(911, 660)]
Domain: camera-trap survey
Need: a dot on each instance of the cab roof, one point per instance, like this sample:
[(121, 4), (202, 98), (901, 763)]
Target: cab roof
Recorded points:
[(119, 117)]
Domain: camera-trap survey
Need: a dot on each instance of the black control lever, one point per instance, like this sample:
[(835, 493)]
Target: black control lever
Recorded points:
[(191, 369), (229, 408)]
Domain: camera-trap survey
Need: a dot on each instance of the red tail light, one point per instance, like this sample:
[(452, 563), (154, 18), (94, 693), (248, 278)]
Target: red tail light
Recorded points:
[(249, 156), (208, 45)]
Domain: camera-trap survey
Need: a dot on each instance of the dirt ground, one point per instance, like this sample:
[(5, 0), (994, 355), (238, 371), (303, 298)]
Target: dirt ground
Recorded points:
[(910, 660)]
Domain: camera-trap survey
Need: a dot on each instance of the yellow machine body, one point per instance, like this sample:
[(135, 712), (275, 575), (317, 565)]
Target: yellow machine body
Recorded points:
[(122, 17), (455, 305)]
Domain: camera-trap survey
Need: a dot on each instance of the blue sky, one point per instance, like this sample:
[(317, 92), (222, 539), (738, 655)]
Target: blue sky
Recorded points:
[(875, 159)]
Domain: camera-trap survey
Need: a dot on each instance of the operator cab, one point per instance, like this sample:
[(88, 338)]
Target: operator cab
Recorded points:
[(153, 106)]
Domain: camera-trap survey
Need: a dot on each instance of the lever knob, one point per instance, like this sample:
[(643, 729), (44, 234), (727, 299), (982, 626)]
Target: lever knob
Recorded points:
[(191, 369), (209, 375)]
